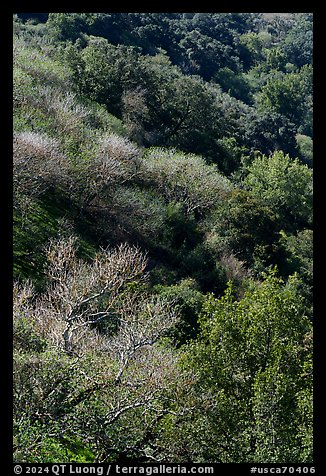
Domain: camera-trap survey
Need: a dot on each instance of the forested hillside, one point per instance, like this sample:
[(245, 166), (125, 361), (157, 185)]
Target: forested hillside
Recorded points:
[(163, 237)]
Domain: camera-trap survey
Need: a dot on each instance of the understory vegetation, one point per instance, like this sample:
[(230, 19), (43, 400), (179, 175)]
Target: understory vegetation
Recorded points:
[(163, 233)]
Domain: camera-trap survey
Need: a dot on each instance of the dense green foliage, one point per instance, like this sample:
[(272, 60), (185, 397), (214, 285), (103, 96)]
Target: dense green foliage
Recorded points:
[(163, 237)]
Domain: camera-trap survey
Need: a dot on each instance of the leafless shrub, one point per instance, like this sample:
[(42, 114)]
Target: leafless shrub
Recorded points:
[(22, 295), (235, 269), (70, 114), (38, 64), (115, 160), (37, 145), (119, 148), (185, 178), (115, 149), (37, 162), (25, 312)]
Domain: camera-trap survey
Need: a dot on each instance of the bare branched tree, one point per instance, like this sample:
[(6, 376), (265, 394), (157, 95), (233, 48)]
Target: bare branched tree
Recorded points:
[(81, 293), (143, 320), (131, 373)]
